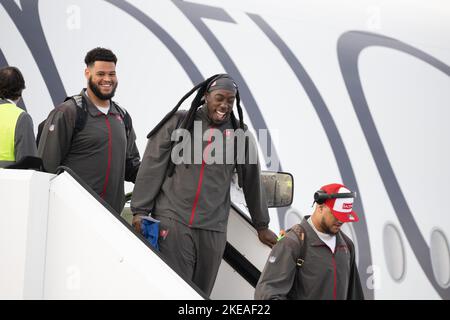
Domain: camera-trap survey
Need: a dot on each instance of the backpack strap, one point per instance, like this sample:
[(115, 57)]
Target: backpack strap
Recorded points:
[(39, 131), (80, 120), (81, 106), (301, 235), (125, 117), (80, 101)]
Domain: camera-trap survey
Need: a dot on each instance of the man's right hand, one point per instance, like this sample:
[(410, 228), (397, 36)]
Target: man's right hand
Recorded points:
[(267, 237), (136, 222)]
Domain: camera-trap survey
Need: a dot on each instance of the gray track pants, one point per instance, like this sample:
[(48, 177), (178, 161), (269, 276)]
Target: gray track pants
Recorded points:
[(195, 253)]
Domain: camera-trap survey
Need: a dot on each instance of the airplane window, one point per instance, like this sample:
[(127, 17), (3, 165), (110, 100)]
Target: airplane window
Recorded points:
[(440, 258), (394, 252)]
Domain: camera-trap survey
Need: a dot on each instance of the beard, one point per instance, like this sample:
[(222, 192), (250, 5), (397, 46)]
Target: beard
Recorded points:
[(96, 90), (326, 229)]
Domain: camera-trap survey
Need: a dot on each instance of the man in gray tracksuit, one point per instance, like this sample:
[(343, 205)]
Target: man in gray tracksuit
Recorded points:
[(193, 201), (16, 126), (315, 260), (101, 153)]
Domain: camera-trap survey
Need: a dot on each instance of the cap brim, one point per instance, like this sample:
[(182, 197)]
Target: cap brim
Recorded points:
[(346, 216)]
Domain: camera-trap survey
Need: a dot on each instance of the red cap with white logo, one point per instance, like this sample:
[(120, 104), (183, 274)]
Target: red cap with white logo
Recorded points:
[(342, 208)]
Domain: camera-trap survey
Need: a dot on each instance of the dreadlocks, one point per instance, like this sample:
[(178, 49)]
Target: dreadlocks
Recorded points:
[(188, 120)]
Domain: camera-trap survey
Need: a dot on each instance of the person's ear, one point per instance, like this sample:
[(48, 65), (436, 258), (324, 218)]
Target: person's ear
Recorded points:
[(205, 97), (87, 73)]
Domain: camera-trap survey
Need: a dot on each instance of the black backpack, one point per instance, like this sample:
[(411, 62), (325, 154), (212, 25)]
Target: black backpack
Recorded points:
[(80, 102)]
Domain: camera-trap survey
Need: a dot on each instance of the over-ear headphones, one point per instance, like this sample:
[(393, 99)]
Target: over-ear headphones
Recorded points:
[(321, 196)]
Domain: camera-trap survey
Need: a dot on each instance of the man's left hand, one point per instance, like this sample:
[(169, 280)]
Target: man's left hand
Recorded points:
[(267, 237)]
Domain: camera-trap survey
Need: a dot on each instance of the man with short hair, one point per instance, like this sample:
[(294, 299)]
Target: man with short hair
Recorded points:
[(92, 135), (192, 199), (315, 259), (16, 126)]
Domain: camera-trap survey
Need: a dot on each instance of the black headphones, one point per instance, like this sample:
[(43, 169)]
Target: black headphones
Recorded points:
[(321, 196)]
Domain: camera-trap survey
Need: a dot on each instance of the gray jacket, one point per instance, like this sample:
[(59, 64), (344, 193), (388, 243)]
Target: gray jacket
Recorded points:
[(100, 153), (24, 139), (323, 276), (201, 204)]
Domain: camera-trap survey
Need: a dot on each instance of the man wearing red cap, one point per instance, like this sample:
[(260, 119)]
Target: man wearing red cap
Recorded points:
[(315, 260)]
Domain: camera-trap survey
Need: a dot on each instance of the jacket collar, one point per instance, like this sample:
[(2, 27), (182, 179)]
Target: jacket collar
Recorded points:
[(315, 241), (7, 101), (93, 110)]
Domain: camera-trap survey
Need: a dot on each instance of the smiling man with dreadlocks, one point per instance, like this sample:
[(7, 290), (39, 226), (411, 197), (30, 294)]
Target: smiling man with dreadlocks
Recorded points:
[(192, 200)]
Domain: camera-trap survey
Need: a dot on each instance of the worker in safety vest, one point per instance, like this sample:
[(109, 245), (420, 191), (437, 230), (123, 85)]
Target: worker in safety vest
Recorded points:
[(17, 138)]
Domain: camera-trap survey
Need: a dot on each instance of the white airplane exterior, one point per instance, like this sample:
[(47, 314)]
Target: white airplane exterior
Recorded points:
[(355, 92)]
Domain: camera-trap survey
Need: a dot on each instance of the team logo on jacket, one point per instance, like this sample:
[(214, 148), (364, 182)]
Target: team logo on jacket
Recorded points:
[(343, 248), (272, 259), (163, 234), (118, 117), (51, 128)]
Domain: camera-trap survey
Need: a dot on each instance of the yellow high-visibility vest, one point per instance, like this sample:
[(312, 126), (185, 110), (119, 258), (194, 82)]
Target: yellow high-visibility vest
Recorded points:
[(9, 114)]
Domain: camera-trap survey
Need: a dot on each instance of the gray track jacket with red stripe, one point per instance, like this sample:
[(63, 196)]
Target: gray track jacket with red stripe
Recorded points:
[(100, 154), (196, 195), (323, 276)]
